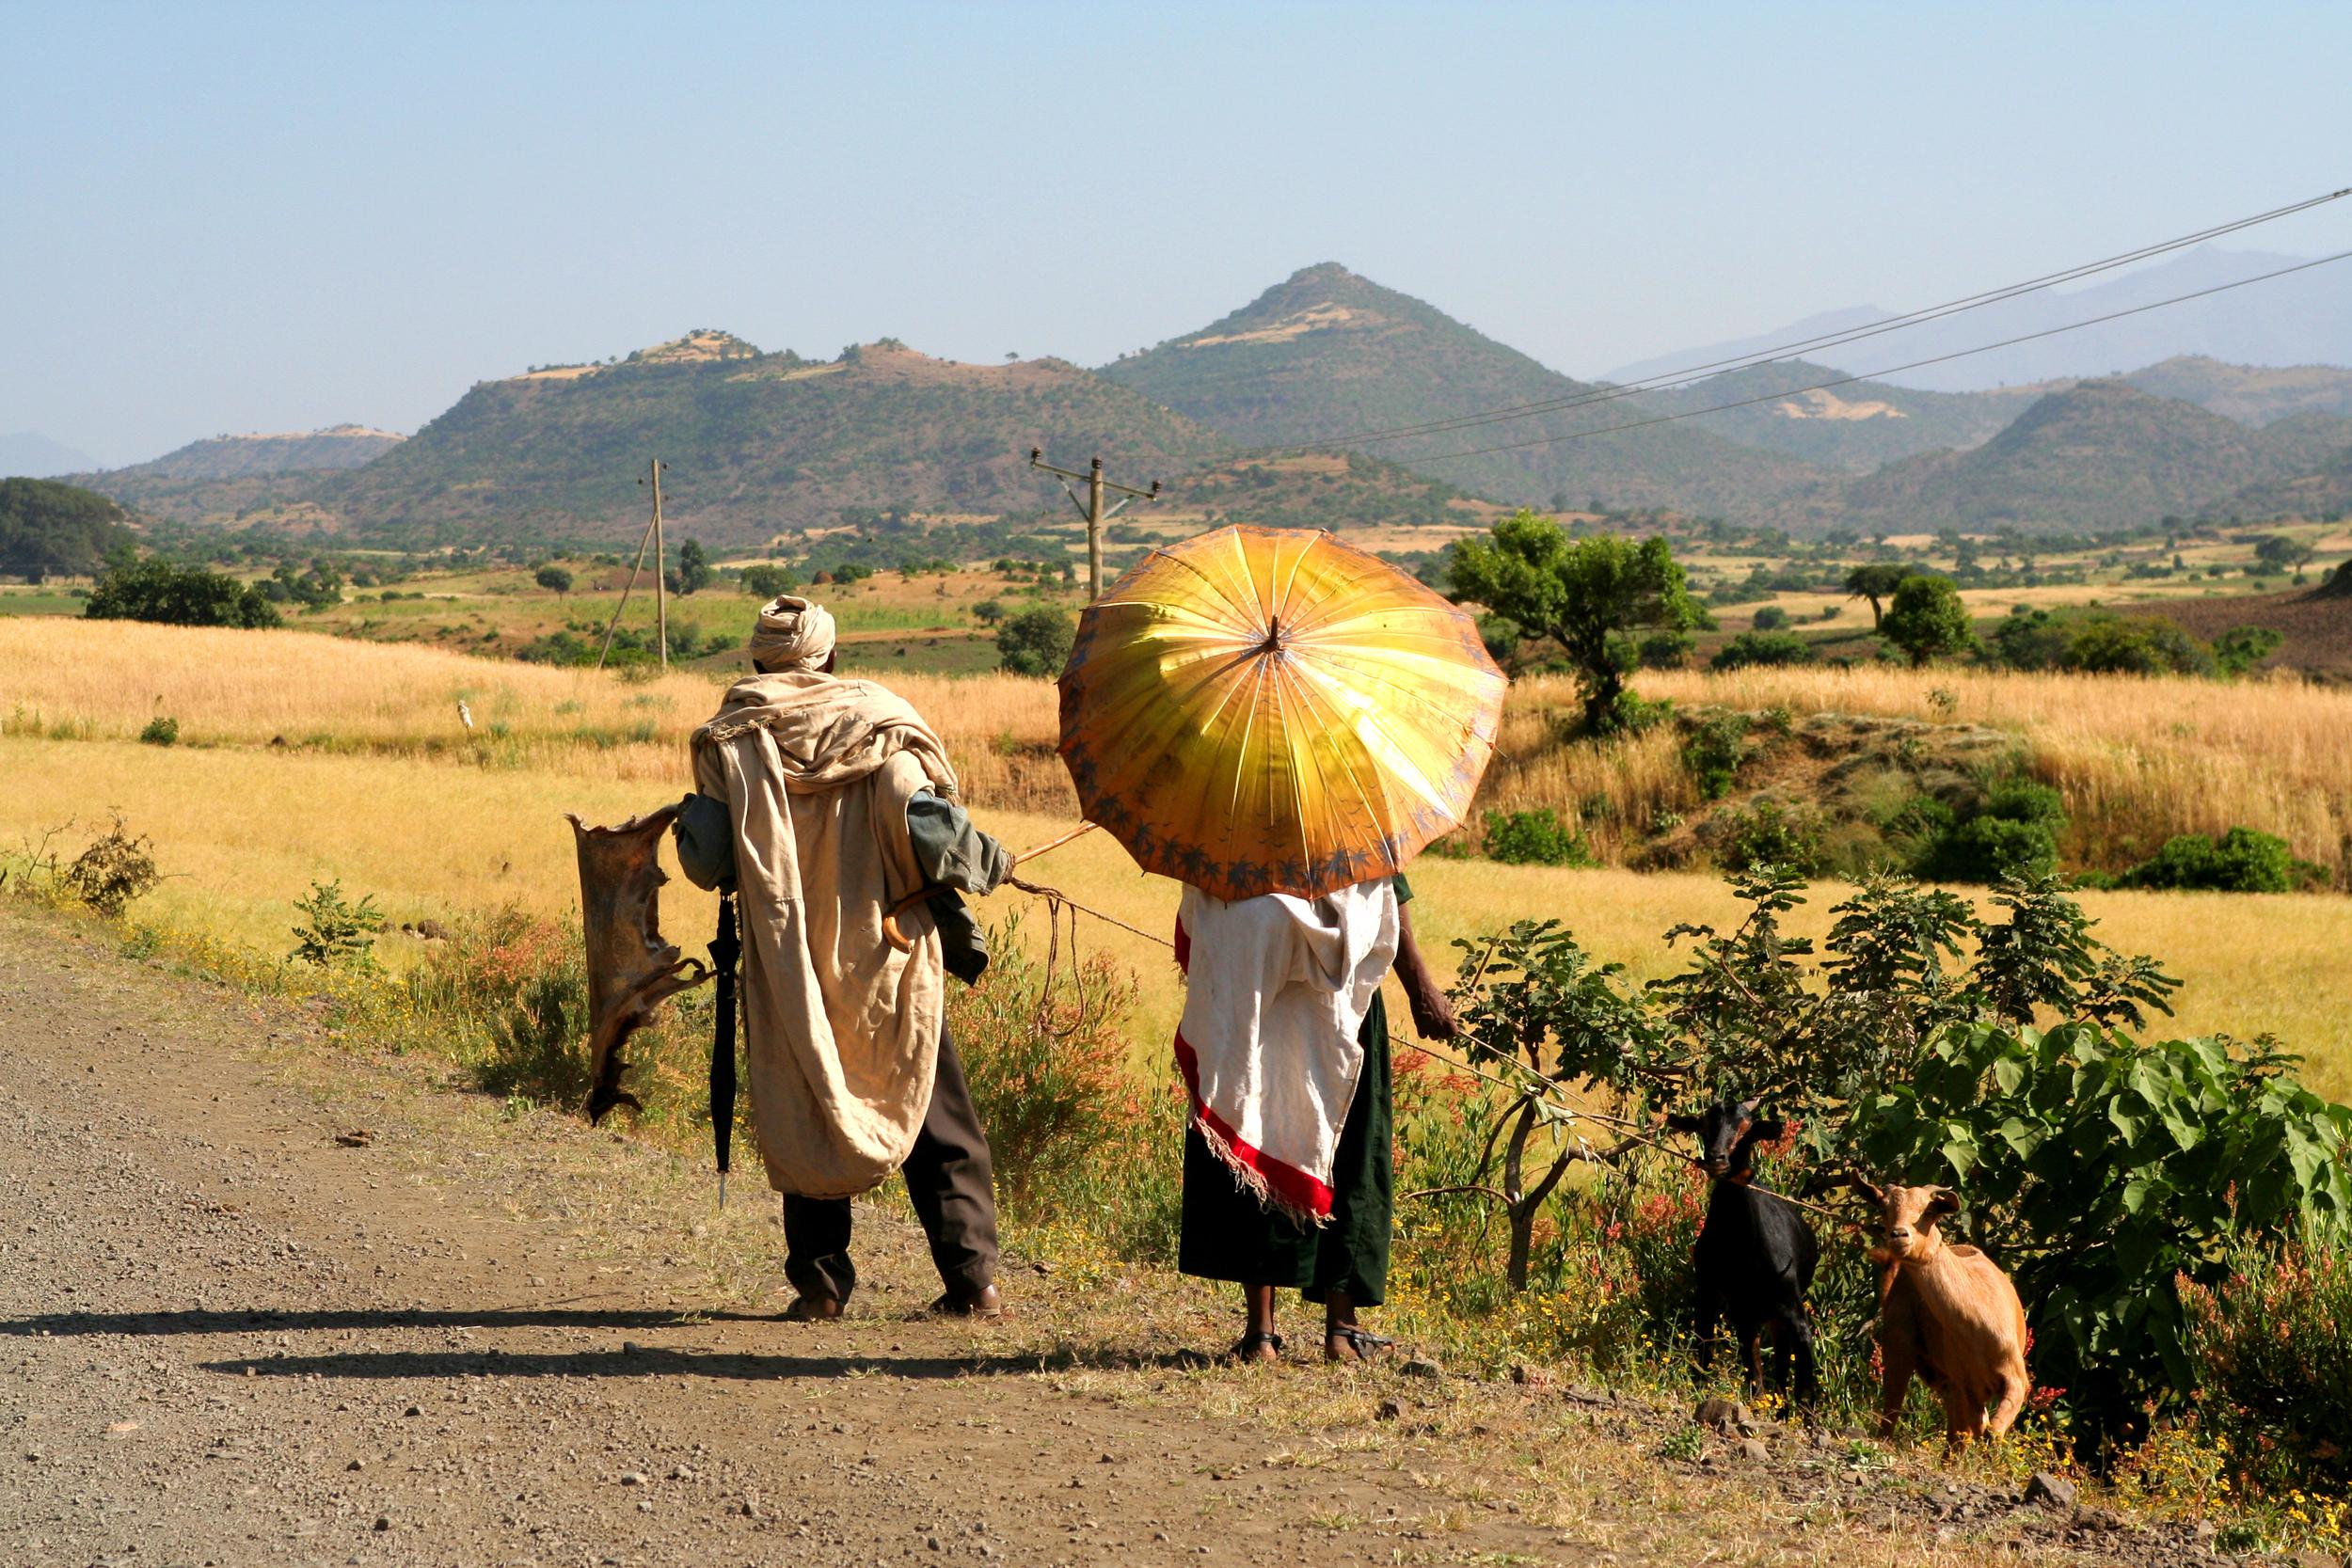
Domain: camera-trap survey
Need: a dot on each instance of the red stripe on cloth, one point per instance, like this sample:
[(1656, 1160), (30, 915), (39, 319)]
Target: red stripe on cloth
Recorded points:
[(1295, 1187)]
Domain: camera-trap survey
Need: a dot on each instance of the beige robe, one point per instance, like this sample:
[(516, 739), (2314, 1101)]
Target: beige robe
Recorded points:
[(841, 1030)]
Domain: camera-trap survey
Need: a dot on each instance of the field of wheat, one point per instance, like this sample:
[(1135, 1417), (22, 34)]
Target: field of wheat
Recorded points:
[(379, 785)]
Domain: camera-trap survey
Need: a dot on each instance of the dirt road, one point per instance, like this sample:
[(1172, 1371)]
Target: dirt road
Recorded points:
[(231, 1338), (267, 1300)]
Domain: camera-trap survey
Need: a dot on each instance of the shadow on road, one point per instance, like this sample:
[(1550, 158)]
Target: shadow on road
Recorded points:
[(648, 1361)]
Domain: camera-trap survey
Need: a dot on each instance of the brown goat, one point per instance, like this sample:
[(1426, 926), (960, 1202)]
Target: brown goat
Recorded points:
[(1948, 1314)]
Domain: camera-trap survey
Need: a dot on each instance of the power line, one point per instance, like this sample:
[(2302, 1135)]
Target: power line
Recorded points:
[(1890, 369), (1690, 374)]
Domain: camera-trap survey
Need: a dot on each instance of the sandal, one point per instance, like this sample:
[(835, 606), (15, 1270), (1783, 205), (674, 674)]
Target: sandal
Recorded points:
[(1362, 1344), (1245, 1348)]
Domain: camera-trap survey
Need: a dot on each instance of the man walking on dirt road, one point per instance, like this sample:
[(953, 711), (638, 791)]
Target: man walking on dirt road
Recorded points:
[(829, 804)]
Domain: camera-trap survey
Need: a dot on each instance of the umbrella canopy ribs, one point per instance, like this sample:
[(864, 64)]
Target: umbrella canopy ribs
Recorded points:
[(632, 969)]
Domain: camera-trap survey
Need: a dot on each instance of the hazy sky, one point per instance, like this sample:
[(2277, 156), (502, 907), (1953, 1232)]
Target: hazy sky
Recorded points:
[(225, 218)]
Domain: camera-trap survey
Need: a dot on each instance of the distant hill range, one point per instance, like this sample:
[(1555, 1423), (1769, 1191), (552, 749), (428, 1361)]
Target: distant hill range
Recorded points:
[(1241, 419), (2095, 455), (2302, 319), (1326, 354)]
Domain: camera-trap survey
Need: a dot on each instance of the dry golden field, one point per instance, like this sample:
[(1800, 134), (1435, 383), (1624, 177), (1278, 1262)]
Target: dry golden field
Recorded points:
[(379, 785)]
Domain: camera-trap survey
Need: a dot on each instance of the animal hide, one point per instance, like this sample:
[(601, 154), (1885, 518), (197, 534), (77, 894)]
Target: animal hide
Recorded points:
[(631, 967)]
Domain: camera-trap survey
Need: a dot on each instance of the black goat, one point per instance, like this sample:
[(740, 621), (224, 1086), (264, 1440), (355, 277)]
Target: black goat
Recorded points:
[(1755, 1258)]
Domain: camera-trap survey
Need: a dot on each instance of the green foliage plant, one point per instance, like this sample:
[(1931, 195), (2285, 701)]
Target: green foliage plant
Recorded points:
[(1771, 833), (336, 931), (1927, 619), (162, 730), (1594, 597), (2272, 1361), (1876, 582), (155, 590), (2139, 645), (693, 573), (2237, 650), (2011, 829), (1762, 648), (1712, 751), (1036, 641), (764, 580), (554, 578), (2243, 860), (1534, 838)]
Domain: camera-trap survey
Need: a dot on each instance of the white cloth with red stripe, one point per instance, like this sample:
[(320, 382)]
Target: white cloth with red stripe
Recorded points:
[(1276, 990)]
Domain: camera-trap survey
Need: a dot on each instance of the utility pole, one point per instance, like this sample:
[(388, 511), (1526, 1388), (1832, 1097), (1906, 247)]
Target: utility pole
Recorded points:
[(661, 589), (661, 609), (1091, 508)]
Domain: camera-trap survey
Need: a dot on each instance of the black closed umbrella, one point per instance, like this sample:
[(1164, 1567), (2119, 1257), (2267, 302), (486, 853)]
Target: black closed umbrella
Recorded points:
[(724, 947)]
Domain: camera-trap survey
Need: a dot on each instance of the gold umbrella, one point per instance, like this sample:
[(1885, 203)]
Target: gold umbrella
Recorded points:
[(1262, 710)]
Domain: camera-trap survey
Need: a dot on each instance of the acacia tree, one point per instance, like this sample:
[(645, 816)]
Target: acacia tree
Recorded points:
[(1875, 580), (1926, 619), (1595, 597)]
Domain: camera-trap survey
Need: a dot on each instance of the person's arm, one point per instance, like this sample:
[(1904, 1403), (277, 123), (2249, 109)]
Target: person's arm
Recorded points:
[(1433, 1011), (949, 851)]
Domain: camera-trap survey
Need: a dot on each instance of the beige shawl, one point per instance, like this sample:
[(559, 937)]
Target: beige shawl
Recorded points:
[(841, 1031)]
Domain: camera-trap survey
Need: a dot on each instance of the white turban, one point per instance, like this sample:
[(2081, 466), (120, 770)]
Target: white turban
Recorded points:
[(792, 634)]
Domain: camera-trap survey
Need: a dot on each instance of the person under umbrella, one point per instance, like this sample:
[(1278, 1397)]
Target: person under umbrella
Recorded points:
[(1280, 721), (1285, 1032)]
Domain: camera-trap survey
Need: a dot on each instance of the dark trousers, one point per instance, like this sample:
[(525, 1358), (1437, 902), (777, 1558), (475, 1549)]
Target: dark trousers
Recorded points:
[(951, 1183)]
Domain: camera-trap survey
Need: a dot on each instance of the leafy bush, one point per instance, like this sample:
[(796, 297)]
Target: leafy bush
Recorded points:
[(2011, 831), (1045, 1054), (1036, 643), (2112, 645), (554, 578), (1534, 838), (1926, 619), (2240, 648), (2243, 860), (1712, 751), (161, 731), (155, 590), (1663, 650), (1770, 618), (1762, 648), (336, 931), (1769, 833), (764, 581), (2272, 1362)]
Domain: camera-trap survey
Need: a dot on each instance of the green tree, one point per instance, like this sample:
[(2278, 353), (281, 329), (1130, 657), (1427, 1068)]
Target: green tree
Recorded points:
[(764, 581), (2113, 645), (554, 578), (1595, 597), (1875, 580), (1926, 619), (1036, 643), (2279, 553), (988, 612), (693, 569), (2240, 648), (155, 590)]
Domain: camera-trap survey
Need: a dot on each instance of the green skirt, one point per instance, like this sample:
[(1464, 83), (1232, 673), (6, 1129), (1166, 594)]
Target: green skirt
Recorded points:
[(1228, 1235)]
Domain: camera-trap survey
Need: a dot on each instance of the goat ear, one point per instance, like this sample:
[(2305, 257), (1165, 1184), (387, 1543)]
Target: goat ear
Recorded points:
[(1747, 1107), (1768, 1131), (1863, 1184), (1945, 1201), (1681, 1123)]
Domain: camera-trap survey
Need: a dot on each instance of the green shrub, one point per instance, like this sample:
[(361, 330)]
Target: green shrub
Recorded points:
[(1712, 751), (1769, 833), (2273, 1362), (118, 866), (1036, 643), (155, 590), (2243, 860), (1762, 648), (2240, 648), (2112, 645), (1770, 618), (2011, 831), (336, 931), (161, 731), (1534, 838)]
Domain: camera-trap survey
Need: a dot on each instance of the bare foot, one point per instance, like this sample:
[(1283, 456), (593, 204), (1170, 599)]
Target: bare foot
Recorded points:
[(813, 1309)]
